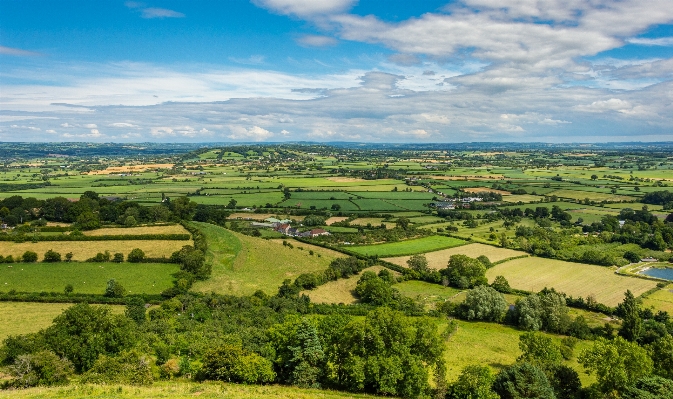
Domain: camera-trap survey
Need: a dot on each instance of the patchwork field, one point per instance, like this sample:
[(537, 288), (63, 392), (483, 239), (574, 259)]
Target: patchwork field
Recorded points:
[(440, 259), (113, 231), (244, 264), (86, 278), (339, 291), (83, 250), (408, 247), (576, 279)]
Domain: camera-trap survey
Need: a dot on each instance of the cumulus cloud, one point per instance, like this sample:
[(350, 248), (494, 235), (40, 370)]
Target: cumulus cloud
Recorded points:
[(305, 8)]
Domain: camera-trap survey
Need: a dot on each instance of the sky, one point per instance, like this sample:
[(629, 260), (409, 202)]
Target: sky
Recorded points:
[(557, 71)]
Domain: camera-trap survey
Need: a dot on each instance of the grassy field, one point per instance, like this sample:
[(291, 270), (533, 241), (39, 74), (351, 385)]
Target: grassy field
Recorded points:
[(25, 317), (440, 259), (576, 279), (86, 278), (339, 291), (408, 247), (113, 231), (426, 293), (661, 299), (83, 250), (244, 264), (177, 390)]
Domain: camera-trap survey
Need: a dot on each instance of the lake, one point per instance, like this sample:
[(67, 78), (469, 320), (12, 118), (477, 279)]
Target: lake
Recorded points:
[(666, 273)]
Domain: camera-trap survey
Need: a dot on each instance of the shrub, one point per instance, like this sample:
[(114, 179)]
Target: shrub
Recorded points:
[(100, 257), (51, 256), (233, 364), (42, 368), (68, 289), (129, 367), (29, 257), (118, 257), (114, 289), (522, 380), (136, 255), (501, 284)]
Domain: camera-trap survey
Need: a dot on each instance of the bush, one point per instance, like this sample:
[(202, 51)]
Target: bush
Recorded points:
[(129, 367), (118, 257), (522, 380), (114, 289), (136, 255), (631, 256), (233, 364), (51, 256), (42, 368), (68, 289), (29, 257)]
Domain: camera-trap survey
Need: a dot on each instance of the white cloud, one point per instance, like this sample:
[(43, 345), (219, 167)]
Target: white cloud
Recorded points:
[(52, 131), (160, 13), (122, 125), (254, 133), (661, 41), (17, 52), (316, 41), (305, 8), (90, 126)]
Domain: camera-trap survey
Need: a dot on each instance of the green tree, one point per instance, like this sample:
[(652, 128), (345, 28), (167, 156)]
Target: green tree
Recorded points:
[(231, 363), (402, 223), (51, 256), (129, 367), (136, 255), (617, 363), (130, 221), (29, 257), (523, 380), (307, 356), (474, 382), (114, 290), (183, 208), (88, 221), (118, 257), (418, 263), (546, 311), (501, 284), (465, 272), (650, 388), (68, 289), (539, 350), (632, 324), (135, 309), (83, 332), (42, 368), (661, 352), (484, 303)]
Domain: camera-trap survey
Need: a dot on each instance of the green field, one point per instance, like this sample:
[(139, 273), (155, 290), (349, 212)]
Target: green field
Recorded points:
[(576, 279), (244, 264), (426, 293), (440, 259), (86, 278), (661, 299), (408, 247)]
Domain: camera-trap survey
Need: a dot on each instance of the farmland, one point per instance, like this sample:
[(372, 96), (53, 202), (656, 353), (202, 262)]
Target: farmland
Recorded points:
[(578, 280), (339, 291), (409, 247), (440, 259)]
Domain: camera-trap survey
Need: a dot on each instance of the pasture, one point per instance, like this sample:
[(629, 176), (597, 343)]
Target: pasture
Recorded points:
[(576, 279), (408, 247), (440, 259), (426, 293), (86, 278), (244, 264), (660, 300), (339, 291), (83, 250)]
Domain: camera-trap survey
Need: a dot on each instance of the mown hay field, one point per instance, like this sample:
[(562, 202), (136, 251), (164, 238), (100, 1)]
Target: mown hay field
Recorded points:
[(408, 247), (244, 264), (83, 250), (339, 291), (86, 278), (29, 317), (116, 231), (178, 389), (661, 299), (576, 279), (440, 259)]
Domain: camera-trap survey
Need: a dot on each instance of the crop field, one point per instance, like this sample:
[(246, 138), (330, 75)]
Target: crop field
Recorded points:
[(661, 299), (440, 259), (335, 219), (339, 291), (243, 264), (83, 250), (594, 196), (113, 231), (178, 389), (375, 222), (576, 279), (87, 278), (408, 247)]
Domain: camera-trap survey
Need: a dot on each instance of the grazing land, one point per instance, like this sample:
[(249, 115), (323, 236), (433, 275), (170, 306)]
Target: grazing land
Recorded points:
[(661, 299), (576, 279), (83, 250), (85, 277), (339, 291), (408, 247), (440, 259)]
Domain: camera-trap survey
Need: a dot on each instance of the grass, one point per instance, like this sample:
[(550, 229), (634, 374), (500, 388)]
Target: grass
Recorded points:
[(177, 390), (243, 264), (408, 247), (83, 250), (339, 291), (576, 279), (440, 259), (26, 317), (427, 293), (594, 196), (661, 299), (113, 231), (86, 278)]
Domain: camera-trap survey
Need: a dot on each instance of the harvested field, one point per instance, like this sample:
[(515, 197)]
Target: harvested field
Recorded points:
[(485, 190), (83, 250), (576, 279), (595, 196), (335, 219), (114, 231), (339, 291), (131, 168), (439, 259)]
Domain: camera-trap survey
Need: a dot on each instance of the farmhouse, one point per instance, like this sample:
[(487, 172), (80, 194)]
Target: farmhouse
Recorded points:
[(316, 232)]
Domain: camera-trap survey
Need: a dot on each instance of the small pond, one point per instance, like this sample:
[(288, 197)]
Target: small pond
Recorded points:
[(666, 273)]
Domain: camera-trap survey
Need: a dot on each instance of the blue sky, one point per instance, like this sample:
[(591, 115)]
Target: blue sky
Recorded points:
[(336, 70)]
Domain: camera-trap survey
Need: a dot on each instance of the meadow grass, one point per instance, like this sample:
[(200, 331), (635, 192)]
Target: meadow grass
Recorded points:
[(86, 278), (114, 231), (408, 247), (576, 279), (661, 299), (339, 291), (177, 389), (83, 250), (594, 196), (244, 264), (426, 293), (28, 317), (440, 259)]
